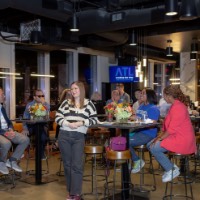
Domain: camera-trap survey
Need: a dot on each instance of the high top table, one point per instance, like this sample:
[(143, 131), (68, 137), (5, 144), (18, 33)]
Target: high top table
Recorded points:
[(38, 179), (126, 128)]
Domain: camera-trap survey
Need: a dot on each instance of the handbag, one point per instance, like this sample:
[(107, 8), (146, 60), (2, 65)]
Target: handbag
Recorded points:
[(118, 143)]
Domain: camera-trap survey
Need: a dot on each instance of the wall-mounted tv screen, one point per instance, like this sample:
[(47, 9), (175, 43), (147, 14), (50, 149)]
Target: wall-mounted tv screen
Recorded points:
[(122, 74)]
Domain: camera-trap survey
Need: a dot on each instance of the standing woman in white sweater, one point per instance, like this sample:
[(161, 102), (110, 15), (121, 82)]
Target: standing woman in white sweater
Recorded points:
[(74, 116)]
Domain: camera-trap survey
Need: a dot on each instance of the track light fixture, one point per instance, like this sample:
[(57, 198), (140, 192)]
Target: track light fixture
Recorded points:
[(171, 7), (169, 49)]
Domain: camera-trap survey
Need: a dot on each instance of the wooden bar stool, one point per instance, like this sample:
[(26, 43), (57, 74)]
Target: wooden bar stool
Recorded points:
[(94, 151), (114, 185), (143, 186), (185, 178)]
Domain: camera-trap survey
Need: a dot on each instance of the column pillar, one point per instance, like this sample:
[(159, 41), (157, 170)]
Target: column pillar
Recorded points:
[(43, 61), (72, 62)]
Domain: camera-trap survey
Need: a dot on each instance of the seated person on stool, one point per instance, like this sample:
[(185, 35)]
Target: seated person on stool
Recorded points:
[(29, 129), (7, 137), (138, 102), (178, 134), (147, 110)]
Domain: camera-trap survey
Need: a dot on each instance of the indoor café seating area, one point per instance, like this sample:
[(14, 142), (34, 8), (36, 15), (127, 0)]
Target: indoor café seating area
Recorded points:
[(109, 45)]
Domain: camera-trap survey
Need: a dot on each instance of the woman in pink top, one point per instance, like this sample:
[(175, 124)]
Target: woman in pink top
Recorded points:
[(177, 133)]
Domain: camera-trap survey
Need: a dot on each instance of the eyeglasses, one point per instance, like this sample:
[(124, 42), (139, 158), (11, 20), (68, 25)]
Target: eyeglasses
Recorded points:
[(40, 96)]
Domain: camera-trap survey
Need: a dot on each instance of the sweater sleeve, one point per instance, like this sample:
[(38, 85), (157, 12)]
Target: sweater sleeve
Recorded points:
[(59, 119), (92, 119)]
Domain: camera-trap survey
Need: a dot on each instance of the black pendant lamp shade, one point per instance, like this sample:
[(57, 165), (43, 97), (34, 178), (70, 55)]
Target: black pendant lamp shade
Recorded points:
[(75, 24), (133, 38), (119, 52), (194, 47), (169, 50), (171, 7), (193, 56), (35, 37), (188, 10)]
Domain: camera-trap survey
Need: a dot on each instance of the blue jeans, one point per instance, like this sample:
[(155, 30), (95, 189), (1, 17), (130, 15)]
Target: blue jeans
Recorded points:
[(20, 140), (137, 139), (71, 146), (158, 152)]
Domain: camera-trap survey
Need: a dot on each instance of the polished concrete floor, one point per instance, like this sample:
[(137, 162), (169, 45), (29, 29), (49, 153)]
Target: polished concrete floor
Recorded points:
[(57, 190)]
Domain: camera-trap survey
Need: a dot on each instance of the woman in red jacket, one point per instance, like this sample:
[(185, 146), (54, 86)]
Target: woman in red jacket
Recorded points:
[(177, 133)]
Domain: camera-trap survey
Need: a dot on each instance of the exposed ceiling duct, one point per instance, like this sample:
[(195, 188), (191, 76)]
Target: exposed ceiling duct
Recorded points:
[(103, 24)]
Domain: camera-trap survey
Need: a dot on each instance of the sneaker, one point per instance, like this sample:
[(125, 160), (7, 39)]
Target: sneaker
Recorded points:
[(3, 168), (171, 174), (69, 197), (43, 157), (76, 197), (13, 165), (138, 165), (165, 173)]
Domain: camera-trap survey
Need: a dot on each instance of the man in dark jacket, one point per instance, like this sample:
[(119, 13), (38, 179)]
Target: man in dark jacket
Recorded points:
[(7, 137)]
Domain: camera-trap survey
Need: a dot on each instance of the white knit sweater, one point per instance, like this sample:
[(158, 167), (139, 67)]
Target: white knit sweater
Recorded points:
[(68, 112)]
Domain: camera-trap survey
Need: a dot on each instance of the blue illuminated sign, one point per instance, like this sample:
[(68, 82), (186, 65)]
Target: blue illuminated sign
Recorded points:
[(121, 74)]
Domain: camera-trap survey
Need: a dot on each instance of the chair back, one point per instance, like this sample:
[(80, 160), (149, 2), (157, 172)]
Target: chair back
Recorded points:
[(17, 127)]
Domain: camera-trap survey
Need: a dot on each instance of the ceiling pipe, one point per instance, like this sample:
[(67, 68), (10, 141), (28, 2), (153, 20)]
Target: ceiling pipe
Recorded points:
[(120, 37)]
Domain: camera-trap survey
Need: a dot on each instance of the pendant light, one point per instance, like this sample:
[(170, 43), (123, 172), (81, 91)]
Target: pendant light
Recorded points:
[(188, 10), (35, 37), (75, 24), (171, 7), (194, 46), (193, 56), (133, 38), (169, 49), (75, 27)]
